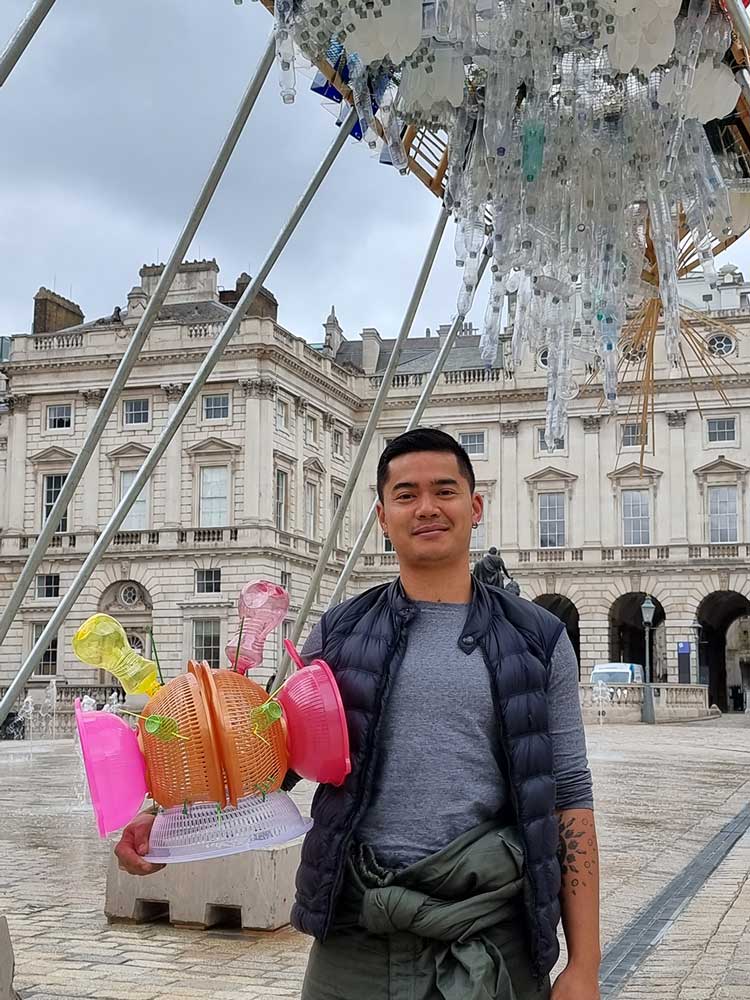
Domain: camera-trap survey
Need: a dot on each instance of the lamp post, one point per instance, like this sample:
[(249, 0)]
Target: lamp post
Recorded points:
[(698, 629), (648, 609)]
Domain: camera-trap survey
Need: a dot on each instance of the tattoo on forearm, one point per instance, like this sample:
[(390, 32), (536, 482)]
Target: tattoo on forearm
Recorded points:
[(578, 853)]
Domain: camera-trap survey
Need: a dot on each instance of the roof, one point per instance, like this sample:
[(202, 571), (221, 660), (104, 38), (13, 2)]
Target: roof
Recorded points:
[(418, 354)]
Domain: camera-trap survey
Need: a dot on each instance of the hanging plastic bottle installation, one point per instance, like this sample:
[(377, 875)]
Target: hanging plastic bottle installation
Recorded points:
[(575, 125)]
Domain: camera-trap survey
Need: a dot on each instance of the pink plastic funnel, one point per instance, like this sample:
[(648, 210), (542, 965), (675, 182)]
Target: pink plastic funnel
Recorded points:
[(115, 768), (317, 737), (262, 605)]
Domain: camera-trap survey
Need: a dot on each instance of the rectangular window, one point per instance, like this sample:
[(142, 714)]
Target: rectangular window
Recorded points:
[(722, 514), (207, 641), (214, 497), (311, 509), (48, 663), (636, 526), (542, 444), (338, 442), (473, 443), (138, 513), (135, 411), (48, 585), (216, 407), (335, 504), (311, 430), (59, 417), (282, 414), (387, 545), (282, 500), (286, 581), (208, 581), (633, 436), (722, 429), (551, 520), (51, 488)]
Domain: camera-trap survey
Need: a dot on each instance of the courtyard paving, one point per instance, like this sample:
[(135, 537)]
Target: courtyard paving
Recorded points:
[(664, 795)]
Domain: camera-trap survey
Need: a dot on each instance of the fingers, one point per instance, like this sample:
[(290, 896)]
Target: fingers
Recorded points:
[(130, 862)]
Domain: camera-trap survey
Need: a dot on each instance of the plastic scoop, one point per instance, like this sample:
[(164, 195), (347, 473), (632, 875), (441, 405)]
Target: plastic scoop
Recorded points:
[(262, 605), (101, 642)]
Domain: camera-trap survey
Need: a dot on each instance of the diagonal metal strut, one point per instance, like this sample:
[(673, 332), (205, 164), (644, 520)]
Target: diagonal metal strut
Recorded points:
[(26, 31), (138, 339), (184, 406)]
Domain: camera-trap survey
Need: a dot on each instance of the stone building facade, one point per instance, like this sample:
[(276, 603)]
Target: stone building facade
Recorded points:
[(248, 486)]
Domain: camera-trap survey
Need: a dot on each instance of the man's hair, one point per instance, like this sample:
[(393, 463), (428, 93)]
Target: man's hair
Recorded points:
[(423, 439)]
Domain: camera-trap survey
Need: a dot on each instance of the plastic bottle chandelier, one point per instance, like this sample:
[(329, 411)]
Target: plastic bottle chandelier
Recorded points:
[(576, 132)]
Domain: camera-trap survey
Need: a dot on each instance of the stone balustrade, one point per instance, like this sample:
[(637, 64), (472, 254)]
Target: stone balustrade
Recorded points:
[(624, 703), (44, 724)]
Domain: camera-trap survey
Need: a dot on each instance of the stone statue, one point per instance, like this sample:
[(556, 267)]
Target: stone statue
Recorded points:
[(491, 569)]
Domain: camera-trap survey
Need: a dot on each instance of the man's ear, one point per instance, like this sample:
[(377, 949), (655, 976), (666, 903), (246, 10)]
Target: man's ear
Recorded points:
[(381, 514)]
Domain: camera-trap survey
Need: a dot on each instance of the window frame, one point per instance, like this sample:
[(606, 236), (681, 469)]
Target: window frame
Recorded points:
[(52, 651), (711, 490), (623, 519), (56, 588), (718, 443), (334, 433), (312, 440), (64, 526), (542, 452), (194, 639), (143, 497), (638, 444), (474, 455), (542, 494), (206, 590), (282, 405), (143, 425), (311, 527), (282, 524), (59, 430), (204, 467), (215, 394)]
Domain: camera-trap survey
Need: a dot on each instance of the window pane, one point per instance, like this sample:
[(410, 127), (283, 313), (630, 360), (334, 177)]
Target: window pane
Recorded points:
[(136, 519), (335, 504), (59, 416), (722, 514), (208, 581), (542, 444), (51, 490), (721, 429), (207, 641), (216, 407), (338, 442), (282, 499), (635, 517), (551, 520), (48, 663), (48, 585), (311, 509), (282, 415), (214, 497), (632, 436), (472, 442), (286, 581), (135, 411), (311, 430)]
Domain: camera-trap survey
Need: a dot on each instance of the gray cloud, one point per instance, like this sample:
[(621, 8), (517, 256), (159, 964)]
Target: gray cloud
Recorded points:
[(109, 124)]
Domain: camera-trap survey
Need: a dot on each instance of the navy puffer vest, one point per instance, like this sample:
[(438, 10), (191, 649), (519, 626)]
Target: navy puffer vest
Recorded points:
[(363, 642)]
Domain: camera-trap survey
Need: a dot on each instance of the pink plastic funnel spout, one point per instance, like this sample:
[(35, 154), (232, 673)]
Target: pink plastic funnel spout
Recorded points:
[(317, 736), (115, 768), (262, 606)]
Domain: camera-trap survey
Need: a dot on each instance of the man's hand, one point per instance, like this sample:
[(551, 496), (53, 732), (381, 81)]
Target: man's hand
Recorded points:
[(576, 983), (134, 844)]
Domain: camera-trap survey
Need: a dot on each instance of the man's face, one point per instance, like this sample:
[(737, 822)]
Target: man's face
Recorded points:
[(428, 508)]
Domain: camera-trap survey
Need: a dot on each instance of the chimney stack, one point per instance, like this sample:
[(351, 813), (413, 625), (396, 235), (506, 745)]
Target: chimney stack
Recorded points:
[(52, 312)]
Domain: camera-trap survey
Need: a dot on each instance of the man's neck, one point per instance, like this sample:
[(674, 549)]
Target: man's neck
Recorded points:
[(441, 586)]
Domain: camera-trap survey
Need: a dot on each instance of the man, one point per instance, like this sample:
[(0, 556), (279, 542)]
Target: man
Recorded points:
[(440, 869)]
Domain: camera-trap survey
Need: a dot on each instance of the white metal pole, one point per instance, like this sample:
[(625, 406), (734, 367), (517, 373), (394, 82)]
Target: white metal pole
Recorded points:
[(187, 401), (137, 341), (416, 416), (368, 434), (740, 19), (26, 31)]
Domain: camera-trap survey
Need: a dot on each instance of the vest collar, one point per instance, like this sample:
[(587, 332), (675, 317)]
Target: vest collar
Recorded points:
[(477, 619)]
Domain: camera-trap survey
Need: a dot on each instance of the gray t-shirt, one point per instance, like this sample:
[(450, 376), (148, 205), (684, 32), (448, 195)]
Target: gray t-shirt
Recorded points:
[(440, 770)]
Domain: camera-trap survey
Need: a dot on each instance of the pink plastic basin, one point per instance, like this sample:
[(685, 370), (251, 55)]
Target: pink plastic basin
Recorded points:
[(318, 739), (115, 768)]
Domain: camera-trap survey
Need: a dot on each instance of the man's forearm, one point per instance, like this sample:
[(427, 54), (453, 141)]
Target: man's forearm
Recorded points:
[(579, 895)]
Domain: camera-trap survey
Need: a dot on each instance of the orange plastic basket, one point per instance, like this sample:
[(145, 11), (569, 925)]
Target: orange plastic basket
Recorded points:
[(254, 762), (189, 770)]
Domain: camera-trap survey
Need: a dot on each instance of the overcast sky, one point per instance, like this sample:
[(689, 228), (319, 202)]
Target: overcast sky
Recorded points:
[(108, 126)]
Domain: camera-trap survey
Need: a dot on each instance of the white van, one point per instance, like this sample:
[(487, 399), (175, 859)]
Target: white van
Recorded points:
[(617, 673)]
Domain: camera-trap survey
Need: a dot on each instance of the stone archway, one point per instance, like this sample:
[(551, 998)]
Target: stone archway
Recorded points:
[(716, 617), (627, 636), (130, 603), (567, 612)]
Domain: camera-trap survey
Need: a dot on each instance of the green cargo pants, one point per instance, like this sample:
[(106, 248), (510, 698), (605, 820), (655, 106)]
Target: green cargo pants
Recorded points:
[(450, 927)]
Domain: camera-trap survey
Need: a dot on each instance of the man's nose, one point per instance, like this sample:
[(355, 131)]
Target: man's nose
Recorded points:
[(426, 506)]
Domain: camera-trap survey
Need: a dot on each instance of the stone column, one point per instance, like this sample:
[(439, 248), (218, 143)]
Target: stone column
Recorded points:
[(300, 412), (509, 485), (174, 391), (326, 508), (258, 485), (592, 527), (18, 406), (680, 630), (677, 477), (361, 500), (92, 476), (594, 636), (3, 483)]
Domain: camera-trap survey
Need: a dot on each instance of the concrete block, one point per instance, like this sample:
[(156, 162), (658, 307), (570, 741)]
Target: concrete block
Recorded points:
[(7, 963), (254, 890)]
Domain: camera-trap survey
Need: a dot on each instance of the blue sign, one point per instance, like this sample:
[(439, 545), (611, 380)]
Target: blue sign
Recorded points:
[(683, 647)]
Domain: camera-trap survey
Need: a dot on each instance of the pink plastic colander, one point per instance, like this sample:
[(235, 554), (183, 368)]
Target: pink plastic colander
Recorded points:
[(115, 768), (317, 736)]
